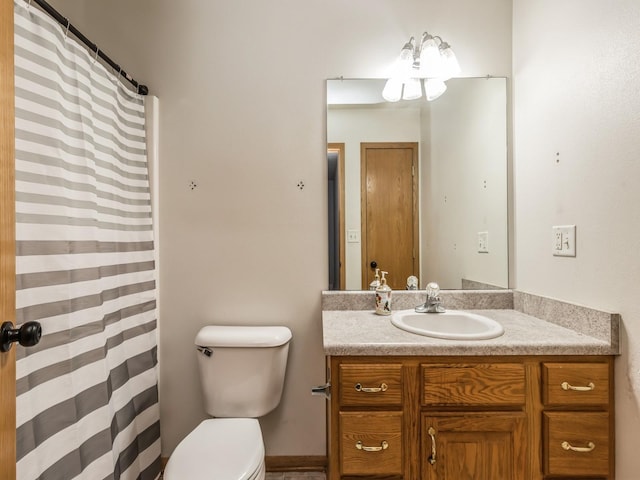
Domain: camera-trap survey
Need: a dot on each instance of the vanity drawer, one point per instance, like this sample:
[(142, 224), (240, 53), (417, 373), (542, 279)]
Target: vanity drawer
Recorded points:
[(371, 443), (576, 443), (370, 385), (473, 384), (575, 383)]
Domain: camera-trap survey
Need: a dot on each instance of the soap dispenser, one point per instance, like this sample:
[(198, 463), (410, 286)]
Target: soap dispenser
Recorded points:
[(383, 297), (376, 282)]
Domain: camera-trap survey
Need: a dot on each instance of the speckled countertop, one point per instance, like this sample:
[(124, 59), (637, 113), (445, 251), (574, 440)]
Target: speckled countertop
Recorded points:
[(554, 328)]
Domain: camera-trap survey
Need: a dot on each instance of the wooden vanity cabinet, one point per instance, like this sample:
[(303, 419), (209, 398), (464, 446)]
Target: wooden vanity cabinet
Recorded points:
[(470, 418), (577, 419), (368, 418), (460, 442)]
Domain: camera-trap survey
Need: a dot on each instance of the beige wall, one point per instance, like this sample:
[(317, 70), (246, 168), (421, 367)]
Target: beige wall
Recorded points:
[(242, 112), (576, 93)]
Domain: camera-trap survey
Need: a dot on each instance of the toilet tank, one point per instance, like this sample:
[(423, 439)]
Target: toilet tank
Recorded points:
[(242, 368)]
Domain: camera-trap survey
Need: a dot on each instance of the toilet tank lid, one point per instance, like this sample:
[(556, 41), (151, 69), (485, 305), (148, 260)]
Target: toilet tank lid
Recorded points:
[(242, 336)]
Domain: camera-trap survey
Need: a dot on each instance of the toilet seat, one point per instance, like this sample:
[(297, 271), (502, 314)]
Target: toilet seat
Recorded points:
[(220, 449)]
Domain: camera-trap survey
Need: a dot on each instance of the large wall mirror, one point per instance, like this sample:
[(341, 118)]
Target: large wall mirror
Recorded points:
[(418, 188)]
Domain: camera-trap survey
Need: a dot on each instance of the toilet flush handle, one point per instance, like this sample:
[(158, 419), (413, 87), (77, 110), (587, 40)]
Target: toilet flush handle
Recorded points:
[(322, 390), (205, 351)]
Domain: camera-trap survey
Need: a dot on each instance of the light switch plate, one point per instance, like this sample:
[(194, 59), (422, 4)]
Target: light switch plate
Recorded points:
[(353, 236), (483, 242), (564, 241)]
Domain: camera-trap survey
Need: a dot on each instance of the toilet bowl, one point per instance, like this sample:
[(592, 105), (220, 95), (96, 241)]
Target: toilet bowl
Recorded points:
[(219, 449), (242, 373)]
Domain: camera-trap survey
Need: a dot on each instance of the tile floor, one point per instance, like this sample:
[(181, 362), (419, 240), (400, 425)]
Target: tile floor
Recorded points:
[(295, 476)]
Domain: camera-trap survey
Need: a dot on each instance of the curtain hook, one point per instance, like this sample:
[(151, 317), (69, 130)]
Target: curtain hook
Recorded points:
[(118, 76), (95, 59), (66, 32), (29, 5)]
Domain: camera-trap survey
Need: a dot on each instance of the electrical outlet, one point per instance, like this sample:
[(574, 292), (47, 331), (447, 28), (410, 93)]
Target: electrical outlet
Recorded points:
[(483, 242), (564, 241), (557, 239)]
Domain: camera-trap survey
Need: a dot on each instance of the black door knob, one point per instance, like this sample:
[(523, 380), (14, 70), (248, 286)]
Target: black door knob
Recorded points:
[(374, 264), (27, 335)]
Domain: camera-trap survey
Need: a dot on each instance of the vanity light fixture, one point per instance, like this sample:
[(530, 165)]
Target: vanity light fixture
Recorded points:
[(432, 60)]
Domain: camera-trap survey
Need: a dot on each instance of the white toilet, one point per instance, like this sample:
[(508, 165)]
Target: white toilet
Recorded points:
[(242, 374)]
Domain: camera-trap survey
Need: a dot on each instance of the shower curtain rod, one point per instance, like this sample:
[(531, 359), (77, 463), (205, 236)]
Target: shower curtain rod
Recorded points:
[(141, 89)]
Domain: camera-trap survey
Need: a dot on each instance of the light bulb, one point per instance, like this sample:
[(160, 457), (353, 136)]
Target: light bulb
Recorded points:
[(431, 64), (404, 63), (406, 54), (434, 87), (392, 91), (412, 89), (451, 67)]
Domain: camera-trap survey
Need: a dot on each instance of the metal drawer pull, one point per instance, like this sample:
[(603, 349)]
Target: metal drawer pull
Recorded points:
[(383, 446), (382, 388), (432, 434), (590, 446), (567, 386)]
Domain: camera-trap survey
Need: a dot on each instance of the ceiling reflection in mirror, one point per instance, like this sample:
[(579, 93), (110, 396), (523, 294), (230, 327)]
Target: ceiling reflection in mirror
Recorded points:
[(461, 240)]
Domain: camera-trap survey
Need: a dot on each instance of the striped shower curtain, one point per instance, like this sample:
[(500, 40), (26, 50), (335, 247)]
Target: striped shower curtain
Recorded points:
[(87, 398)]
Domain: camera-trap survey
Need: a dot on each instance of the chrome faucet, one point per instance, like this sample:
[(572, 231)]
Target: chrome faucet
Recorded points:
[(432, 304)]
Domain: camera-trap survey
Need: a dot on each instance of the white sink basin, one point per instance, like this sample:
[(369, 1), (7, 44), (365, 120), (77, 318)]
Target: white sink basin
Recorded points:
[(452, 324)]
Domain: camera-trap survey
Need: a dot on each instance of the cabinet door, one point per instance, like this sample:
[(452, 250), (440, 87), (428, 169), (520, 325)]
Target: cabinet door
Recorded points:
[(576, 443), (371, 443), (474, 446)]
